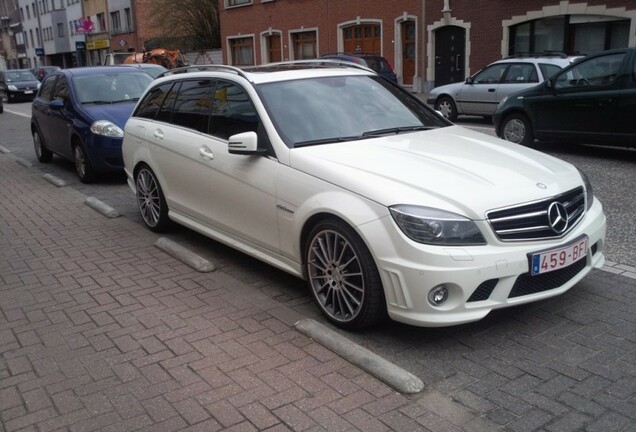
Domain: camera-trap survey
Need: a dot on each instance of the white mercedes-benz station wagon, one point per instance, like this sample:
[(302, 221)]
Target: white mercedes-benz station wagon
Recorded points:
[(333, 174)]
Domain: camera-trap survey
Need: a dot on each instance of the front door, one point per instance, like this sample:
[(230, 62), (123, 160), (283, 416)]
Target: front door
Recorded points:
[(582, 103), (408, 52), (450, 49)]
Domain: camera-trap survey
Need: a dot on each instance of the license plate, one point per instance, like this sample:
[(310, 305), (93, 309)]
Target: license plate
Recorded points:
[(555, 259), (28, 92)]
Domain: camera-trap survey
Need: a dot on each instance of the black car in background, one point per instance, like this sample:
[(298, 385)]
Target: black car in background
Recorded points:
[(375, 62), (18, 84), (592, 101)]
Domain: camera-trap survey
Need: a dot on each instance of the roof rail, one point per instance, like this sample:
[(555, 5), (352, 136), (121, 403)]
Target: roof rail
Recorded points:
[(203, 68), (320, 62), (538, 54)]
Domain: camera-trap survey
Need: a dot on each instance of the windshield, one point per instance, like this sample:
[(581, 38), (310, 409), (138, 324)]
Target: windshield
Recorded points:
[(343, 108), (111, 87), (20, 76)]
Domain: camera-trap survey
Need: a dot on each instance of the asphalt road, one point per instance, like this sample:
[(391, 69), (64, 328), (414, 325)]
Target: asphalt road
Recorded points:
[(561, 364)]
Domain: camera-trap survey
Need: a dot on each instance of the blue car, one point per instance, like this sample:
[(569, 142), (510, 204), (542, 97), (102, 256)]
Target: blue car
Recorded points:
[(80, 113)]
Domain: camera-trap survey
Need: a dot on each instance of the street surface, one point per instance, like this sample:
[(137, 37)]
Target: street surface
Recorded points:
[(564, 364)]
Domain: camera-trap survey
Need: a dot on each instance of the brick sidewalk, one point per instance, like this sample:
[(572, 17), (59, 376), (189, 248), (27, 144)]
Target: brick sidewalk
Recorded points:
[(100, 330)]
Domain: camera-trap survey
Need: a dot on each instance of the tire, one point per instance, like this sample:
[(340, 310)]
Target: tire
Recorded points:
[(83, 167), (151, 201), (516, 128), (447, 107), (343, 277), (43, 154)]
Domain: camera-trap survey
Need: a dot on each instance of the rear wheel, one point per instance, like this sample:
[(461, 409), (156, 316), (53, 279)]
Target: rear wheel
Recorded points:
[(516, 128), (343, 277), (43, 154), (447, 107), (83, 167)]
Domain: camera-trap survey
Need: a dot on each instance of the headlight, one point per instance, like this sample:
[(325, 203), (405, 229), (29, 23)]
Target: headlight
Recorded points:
[(589, 194), (12, 87), (106, 128), (436, 227)]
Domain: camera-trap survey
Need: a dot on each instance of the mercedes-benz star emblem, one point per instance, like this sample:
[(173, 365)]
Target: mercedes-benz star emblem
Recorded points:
[(541, 186), (558, 217)]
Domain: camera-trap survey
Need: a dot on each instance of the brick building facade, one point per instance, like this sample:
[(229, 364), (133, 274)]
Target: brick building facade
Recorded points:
[(429, 42)]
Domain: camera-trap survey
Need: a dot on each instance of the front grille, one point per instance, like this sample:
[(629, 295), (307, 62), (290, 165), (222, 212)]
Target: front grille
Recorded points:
[(484, 290), (529, 221), (527, 284)]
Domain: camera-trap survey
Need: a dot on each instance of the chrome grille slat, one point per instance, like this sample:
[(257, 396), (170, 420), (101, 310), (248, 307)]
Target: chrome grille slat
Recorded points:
[(529, 221)]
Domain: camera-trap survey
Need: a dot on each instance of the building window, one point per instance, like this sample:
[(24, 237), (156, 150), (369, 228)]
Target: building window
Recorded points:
[(242, 51), (232, 3), (101, 21), (115, 22), (304, 44), (128, 17), (570, 34), (365, 38), (28, 13), (60, 30)]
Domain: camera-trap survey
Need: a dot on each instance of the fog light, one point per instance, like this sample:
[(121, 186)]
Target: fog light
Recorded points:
[(438, 295)]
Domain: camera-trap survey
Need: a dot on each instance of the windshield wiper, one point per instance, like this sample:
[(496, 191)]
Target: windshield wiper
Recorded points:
[(397, 130), (327, 140), (97, 102)]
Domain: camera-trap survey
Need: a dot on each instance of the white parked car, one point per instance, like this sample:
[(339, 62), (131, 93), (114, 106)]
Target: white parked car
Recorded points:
[(481, 93), (342, 178)]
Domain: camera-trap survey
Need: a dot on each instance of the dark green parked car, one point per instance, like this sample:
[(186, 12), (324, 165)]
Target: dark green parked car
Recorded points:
[(592, 101)]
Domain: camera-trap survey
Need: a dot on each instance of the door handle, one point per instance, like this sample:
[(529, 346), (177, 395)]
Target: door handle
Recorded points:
[(205, 152), (491, 90), (158, 134), (457, 57)]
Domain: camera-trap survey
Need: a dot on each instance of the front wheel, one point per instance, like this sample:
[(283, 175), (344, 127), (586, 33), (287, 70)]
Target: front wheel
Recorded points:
[(43, 154), (83, 167), (343, 277), (447, 107), (150, 200), (517, 129)]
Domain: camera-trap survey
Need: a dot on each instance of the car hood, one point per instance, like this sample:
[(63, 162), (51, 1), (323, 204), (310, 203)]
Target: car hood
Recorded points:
[(25, 85), (450, 168), (117, 113)]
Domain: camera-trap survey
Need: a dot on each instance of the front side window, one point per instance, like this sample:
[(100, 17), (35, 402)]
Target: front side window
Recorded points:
[(595, 72), (61, 89), (233, 111), (492, 74), (46, 91), (193, 105), (149, 106)]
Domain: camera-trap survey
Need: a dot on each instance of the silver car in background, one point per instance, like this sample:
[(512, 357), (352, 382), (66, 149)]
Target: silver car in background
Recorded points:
[(480, 93)]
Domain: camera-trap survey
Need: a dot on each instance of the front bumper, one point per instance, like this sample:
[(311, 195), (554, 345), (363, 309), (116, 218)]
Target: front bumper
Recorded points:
[(410, 270)]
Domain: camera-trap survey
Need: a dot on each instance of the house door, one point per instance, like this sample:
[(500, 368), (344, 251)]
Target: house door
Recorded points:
[(408, 52), (450, 49), (273, 48), (365, 38)]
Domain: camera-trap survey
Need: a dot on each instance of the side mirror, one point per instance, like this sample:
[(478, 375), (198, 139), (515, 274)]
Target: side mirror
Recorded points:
[(469, 80), (245, 143), (56, 104), (549, 84)]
